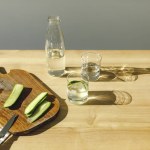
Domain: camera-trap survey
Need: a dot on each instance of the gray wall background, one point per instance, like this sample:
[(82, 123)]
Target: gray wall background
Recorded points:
[(87, 24)]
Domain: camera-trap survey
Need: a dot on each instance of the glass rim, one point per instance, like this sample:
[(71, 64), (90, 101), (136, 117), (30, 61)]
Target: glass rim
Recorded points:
[(77, 75), (85, 54)]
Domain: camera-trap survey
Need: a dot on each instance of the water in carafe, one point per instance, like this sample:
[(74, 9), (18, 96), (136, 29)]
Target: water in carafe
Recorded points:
[(55, 47)]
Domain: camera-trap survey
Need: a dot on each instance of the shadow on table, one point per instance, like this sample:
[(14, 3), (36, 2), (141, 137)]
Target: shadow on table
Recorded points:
[(8, 143), (115, 73), (108, 98), (122, 73)]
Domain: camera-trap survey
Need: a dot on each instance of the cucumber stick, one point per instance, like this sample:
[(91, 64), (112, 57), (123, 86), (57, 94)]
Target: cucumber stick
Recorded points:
[(14, 95), (40, 110), (32, 106)]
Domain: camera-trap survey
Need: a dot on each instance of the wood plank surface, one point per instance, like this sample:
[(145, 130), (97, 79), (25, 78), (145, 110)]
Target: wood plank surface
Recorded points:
[(117, 115)]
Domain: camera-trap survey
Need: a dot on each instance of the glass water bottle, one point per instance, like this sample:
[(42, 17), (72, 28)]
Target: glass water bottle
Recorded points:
[(55, 47)]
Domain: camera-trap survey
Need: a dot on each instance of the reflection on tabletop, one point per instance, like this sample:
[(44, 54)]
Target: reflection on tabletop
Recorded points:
[(108, 98), (115, 73)]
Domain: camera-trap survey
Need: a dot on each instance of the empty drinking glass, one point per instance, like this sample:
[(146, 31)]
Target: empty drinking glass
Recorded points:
[(91, 65)]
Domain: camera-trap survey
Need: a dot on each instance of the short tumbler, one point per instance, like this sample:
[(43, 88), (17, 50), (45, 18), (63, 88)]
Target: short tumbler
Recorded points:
[(91, 65), (77, 88)]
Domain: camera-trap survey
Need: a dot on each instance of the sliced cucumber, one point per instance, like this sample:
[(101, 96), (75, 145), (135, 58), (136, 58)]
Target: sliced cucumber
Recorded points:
[(40, 110), (31, 107), (14, 95)]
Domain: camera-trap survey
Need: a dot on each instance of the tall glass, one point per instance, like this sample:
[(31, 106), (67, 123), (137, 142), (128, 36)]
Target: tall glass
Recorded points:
[(77, 88), (91, 63)]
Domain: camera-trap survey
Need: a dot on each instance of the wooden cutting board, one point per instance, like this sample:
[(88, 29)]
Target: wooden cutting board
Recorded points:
[(33, 87)]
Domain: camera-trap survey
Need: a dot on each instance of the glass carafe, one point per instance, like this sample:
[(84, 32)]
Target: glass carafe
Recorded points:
[(55, 47)]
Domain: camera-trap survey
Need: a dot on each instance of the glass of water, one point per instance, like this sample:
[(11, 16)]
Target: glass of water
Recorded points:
[(91, 65), (77, 88)]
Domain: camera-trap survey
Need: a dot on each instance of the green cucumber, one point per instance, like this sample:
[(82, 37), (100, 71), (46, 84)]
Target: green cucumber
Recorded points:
[(14, 95), (31, 107), (40, 110)]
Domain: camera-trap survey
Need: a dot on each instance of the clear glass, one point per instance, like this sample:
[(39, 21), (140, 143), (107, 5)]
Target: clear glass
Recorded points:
[(91, 63), (77, 88), (54, 47)]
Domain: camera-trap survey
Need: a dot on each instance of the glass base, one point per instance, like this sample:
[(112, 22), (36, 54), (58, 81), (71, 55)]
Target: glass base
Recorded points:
[(56, 73), (78, 102)]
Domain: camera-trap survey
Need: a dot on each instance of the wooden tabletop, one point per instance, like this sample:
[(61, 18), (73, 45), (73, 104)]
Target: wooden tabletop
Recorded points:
[(117, 116)]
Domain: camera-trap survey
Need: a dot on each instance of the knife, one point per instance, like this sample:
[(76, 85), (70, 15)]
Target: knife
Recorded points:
[(8, 125)]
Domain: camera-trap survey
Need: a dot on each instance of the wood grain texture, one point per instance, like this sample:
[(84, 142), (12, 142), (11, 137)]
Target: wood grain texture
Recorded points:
[(117, 116), (32, 88)]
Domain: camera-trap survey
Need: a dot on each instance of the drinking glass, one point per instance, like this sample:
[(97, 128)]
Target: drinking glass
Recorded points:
[(91, 65), (77, 88)]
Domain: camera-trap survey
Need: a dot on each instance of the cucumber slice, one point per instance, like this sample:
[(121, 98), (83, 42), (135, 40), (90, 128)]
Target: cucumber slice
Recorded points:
[(32, 111), (14, 95), (31, 107), (40, 110)]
